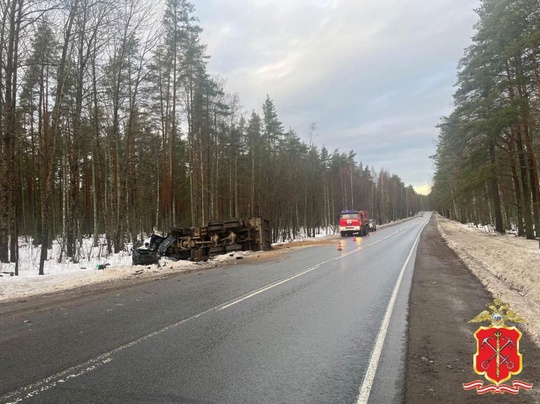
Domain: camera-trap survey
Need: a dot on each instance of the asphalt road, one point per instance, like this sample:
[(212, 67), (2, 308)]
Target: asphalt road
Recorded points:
[(311, 326)]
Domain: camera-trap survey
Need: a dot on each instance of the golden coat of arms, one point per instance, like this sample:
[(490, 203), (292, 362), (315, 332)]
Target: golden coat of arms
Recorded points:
[(497, 356)]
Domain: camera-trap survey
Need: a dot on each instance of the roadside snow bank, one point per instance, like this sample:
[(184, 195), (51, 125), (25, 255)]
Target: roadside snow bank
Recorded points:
[(65, 276), (507, 265)]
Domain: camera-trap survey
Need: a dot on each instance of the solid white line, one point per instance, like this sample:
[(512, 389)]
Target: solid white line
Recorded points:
[(367, 383), (273, 285)]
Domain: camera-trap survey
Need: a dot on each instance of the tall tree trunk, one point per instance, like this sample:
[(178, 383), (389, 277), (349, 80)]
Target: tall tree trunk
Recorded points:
[(517, 189), (12, 17), (252, 193), (499, 227), (204, 183), (524, 182), (73, 147), (523, 166), (4, 152), (169, 208), (532, 167), (95, 156), (51, 141)]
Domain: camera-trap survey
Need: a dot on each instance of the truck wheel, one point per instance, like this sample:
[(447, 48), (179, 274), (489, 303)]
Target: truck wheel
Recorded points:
[(215, 225), (231, 223)]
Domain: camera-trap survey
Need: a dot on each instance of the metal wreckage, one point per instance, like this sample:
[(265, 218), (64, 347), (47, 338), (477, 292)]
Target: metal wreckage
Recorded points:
[(201, 242)]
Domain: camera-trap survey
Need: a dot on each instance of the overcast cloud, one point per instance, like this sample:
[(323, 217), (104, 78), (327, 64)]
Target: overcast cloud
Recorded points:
[(374, 75)]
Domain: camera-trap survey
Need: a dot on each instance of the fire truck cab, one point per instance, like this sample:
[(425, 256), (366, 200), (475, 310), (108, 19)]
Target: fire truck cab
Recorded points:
[(353, 222)]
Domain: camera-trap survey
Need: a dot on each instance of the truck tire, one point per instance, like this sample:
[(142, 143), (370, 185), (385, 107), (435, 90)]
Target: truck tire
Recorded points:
[(232, 223), (215, 225)]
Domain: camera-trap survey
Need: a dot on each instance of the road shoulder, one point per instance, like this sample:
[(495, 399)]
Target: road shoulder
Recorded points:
[(445, 295)]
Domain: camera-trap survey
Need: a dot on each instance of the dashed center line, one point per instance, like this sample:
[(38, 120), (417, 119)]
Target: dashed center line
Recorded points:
[(50, 382)]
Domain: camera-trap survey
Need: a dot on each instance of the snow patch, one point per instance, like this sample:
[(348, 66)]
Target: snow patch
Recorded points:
[(507, 265), (95, 267)]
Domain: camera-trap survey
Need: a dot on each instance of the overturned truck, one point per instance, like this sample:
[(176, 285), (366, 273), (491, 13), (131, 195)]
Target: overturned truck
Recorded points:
[(201, 242)]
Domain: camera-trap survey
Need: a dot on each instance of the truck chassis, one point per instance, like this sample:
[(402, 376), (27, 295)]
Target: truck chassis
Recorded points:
[(201, 242)]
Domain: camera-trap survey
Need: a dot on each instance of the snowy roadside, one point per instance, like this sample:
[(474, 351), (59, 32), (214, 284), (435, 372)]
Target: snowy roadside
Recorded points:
[(62, 277), (507, 265), (97, 268), (66, 275)]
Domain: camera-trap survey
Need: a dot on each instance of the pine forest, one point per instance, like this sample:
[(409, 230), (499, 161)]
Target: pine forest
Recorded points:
[(112, 125), (488, 155)]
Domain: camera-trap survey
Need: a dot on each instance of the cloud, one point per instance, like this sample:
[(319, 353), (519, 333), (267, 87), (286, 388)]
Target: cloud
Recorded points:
[(376, 76)]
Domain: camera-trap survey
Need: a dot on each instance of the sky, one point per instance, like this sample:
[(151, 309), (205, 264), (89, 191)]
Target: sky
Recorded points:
[(375, 76)]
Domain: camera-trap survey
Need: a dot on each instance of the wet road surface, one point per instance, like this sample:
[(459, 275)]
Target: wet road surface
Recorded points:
[(306, 327)]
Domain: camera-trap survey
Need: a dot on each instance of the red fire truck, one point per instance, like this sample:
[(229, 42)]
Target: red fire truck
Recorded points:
[(353, 222)]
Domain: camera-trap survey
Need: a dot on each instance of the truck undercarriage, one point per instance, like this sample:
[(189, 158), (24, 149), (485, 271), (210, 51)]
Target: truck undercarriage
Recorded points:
[(201, 242)]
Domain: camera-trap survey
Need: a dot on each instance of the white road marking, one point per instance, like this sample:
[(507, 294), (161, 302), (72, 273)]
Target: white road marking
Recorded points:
[(367, 384), (271, 286), (33, 389), (50, 382)]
